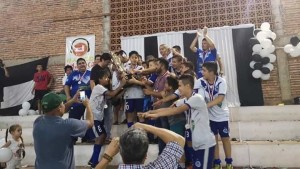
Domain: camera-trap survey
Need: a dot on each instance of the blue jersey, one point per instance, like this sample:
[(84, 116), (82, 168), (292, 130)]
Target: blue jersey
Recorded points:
[(153, 77), (202, 57), (79, 80)]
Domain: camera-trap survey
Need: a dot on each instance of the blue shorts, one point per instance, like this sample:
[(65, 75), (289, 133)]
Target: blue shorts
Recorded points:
[(220, 128), (188, 135), (203, 159), (134, 105), (96, 130)]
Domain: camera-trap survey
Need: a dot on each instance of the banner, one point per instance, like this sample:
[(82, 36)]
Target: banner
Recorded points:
[(80, 47)]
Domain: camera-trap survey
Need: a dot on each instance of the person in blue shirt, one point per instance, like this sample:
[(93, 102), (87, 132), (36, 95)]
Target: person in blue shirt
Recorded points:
[(208, 53), (78, 80)]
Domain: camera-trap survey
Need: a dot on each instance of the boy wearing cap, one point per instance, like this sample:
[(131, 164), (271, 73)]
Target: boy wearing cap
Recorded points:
[(53, 143)]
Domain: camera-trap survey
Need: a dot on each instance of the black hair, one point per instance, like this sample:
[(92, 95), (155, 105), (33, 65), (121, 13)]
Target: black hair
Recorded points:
[(100, 74), (187, 79), (164, 62), (177, 47), (178, 58), (97, 56), (133, 52), (145, 63), (79, 59), (189, 64), (211, 67), (204, 39), (68, 67), (172, 81), (134, 146), (105, 56)]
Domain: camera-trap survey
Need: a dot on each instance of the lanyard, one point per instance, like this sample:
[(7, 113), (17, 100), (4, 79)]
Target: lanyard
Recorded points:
[(80, 77), (189, 113), (211, 91), (157, 81)]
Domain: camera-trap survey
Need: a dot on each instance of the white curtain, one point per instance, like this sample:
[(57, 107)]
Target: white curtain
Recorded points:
[(133, 43), (17, 94), (171, 39)]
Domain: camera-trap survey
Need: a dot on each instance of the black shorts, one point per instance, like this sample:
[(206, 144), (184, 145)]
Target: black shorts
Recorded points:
[(116, 102), (39, 94)]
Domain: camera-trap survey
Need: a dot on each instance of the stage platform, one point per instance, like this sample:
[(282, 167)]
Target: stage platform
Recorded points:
[(266, 136)]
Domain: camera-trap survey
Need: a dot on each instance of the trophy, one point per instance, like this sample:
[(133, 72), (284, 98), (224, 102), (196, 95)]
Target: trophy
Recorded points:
[(119, 65)]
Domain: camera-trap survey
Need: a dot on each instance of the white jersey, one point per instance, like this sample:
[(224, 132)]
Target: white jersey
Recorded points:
[(210, 92), (115, 81), (98, 101), (134, 91), (17, 148), (198, 122)]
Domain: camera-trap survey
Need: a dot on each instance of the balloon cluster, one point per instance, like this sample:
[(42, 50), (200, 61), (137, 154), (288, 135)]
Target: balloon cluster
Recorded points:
[(294, 48), (26, 110), (262, 47)]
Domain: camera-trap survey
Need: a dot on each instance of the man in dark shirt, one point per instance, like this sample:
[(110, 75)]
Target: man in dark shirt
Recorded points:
[(3, 74)]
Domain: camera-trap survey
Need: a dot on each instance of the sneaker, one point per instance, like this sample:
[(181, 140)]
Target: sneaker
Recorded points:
[(92, 165), (217, 166), (229, 166)]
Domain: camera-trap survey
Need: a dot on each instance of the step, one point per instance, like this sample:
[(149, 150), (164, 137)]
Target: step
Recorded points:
[(249, 131), (254, 113), (250, 153), (265, 113)]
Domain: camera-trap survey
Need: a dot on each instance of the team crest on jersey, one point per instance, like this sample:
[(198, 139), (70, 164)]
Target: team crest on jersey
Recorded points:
[(198, 164), (225, 130)]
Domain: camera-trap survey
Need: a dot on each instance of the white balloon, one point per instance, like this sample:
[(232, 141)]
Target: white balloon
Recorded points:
[(295, 52), (256, 48), (271, 49), (264, 53), (31, 112), (265, 26), (256, 74), (265, 76), (261, 36), (5, 155), (252, 64), (266, 43), (269, 65), (298, 46), (273, 35), (287, 48), (272, 58), (23, 112), (26, 105)]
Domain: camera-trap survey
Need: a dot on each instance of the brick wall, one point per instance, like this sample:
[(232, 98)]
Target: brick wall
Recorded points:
[(291, 17), (31, 29)]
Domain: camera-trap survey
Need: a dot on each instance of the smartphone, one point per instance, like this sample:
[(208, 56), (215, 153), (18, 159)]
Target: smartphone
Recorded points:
[(82, 95)]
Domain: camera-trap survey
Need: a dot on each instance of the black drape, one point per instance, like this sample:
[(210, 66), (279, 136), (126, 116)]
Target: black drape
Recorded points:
[(250, 89)]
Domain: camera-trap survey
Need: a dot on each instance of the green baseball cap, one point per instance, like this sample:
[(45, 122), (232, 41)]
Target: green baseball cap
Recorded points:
[(51, 101)]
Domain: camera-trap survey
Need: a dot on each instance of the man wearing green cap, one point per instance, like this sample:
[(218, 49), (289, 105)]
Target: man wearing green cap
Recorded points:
[(53, 143)]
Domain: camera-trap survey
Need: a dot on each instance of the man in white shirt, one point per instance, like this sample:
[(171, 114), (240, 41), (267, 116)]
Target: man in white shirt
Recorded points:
[(213, 88)]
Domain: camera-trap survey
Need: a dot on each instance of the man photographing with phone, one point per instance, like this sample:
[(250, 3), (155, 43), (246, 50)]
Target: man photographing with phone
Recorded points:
[(3, 74)]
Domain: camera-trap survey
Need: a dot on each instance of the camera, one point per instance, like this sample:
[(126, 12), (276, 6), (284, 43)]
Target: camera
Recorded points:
[(82, 95)]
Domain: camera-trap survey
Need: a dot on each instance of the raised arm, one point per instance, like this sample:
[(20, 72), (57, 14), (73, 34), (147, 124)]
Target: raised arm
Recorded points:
[(208, 39), (220, 65), (164, 112), (193, 44)]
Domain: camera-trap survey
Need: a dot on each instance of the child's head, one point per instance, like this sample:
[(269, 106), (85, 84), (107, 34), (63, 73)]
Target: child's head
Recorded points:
[(152, 63), (134, 57), (209, 69), (185, 66), (68, 69), (39, 68), (140, 60), (145, 65), (172, 84), (103, 78), (15, 131), (185, 84), (177, 48), (176, 62), (205, 45)]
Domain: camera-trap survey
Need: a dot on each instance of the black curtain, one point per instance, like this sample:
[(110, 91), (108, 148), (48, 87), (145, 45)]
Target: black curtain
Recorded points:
[(150, 46), (188, 53), (250, 90)]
